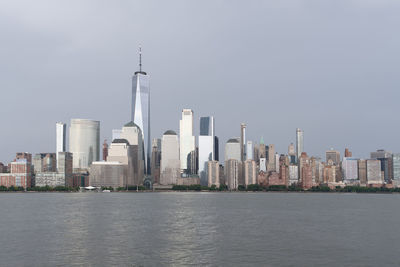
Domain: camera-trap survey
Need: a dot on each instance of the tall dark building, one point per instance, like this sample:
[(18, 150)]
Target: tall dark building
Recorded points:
[(216, 148)]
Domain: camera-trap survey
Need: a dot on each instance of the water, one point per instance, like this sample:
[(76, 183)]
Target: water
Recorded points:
[(215, 229)]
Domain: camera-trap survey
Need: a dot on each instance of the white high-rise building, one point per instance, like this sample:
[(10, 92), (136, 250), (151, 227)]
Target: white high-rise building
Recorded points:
[(249, 149), (170, 163), (206, 146), (84, 142), (61, 133), (299, 142), (187, 139)]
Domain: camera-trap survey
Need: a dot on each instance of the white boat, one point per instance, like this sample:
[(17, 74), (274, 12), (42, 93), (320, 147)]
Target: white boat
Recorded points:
[(106, 191)]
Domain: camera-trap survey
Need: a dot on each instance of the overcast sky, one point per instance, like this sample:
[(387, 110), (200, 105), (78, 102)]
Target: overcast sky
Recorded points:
[(329, 67)]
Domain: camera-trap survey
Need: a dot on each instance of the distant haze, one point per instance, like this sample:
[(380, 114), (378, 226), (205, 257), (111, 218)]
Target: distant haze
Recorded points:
[(330, 68)]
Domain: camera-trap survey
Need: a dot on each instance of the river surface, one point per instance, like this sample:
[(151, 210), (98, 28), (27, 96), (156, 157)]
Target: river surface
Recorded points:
[(212, 229)]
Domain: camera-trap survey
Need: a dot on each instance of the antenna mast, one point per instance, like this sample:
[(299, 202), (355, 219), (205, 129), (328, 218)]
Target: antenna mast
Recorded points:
[(140, 58)]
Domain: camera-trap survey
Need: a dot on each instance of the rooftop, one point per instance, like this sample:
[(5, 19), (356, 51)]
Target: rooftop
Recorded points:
[(170, 132)]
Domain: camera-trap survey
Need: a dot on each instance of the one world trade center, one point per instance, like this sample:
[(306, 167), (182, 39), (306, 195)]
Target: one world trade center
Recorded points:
[(141, 109)]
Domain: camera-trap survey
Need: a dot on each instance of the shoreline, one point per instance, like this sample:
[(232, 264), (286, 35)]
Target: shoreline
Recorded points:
[(205, 191)]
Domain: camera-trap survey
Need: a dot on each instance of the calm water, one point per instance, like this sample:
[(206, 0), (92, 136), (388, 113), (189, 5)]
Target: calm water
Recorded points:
[(229, 229)]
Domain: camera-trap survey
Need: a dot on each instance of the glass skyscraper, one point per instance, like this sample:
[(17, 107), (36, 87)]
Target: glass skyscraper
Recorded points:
[(141, 109), (206, 146)]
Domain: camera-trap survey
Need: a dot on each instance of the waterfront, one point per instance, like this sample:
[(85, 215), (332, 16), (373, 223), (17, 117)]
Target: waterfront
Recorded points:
[(178, 228)]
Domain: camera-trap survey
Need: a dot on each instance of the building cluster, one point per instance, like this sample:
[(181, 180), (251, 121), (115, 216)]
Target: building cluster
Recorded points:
[(187, 158)]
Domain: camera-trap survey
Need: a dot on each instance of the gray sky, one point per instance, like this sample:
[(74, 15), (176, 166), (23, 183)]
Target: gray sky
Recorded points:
[(329, 67)]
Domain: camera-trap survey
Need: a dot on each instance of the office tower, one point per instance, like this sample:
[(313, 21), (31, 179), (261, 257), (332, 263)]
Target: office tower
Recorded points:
[(206, 146), (108, 174), (232, 149), (61, 135), (133, 134), (192, 162), (44, 162), (262, 150), (156, 160), (302, 161), (271, 158), (58, 176), (116, 134), (105, 150), (332, 157), (276, 162), (65, 163), (381, 154), (386, 163), (396, 169), (319, 172), (216, 148), (130, 156), (125, 161), (306, 182), (256, 151), (141, 109), (263, 164), (119, 151), (170, 163), (129, 151), (242, 142), (84, 142), (350, 169), (362, 171), (187, 139), (213, 173), (348, 153), (250, 172), (292, 153), (299, 142), (374, 174), (23, 155), (233, 169), (284, 169), (249, 150), (293, 174)]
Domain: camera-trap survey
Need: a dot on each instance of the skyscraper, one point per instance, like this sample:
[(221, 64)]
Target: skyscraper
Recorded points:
[(271, 158), (141, 109), (206, 146), (61, 132), (170, 163), (249, 150), (84, 142), (242, 142), (386, 163), (332, 157), (232, 149), (187, 139), (299, 142)]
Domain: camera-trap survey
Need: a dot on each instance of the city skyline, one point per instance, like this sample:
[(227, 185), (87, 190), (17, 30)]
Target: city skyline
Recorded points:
[(297, 68)]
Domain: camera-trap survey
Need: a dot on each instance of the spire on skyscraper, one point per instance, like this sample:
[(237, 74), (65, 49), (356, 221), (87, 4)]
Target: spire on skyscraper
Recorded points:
[(140, 58), (140, 62)]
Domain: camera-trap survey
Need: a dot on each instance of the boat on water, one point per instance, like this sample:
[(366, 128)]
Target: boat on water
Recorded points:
[(106, 191)]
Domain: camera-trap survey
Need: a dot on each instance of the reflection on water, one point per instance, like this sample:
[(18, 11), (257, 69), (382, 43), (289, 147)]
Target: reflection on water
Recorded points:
[(47, 229)]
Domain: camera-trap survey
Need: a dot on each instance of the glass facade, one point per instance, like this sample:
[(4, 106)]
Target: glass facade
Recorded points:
[(141, 112), (396, 167)]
